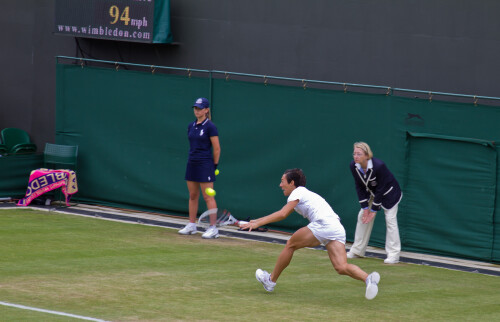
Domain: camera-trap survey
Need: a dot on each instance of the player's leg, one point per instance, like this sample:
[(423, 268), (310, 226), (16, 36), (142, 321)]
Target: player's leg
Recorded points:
[(338, 257), (300, 239), (337, 254)]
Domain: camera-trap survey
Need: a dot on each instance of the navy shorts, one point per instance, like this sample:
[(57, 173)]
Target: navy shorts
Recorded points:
[(200, 171)]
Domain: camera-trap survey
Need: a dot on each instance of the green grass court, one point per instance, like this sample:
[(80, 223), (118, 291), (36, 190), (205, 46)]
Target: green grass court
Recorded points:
[(126, 272)]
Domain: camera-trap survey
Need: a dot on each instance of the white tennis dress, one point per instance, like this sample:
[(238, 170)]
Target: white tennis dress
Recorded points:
[(324, 222)]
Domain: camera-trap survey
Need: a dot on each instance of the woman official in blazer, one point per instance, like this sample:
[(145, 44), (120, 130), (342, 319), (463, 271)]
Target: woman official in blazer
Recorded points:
[(377, 188)]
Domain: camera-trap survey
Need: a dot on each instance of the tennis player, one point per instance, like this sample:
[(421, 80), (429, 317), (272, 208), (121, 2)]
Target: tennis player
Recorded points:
[(204, 154), (324, 229)]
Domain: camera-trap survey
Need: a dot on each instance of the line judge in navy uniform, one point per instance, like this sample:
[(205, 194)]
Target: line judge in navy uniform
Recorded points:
[(377, 188), (204, 154)]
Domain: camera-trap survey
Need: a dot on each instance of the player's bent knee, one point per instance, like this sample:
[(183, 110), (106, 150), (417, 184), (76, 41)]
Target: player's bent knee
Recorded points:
[(341, 269), (293, 245), (290, 245)]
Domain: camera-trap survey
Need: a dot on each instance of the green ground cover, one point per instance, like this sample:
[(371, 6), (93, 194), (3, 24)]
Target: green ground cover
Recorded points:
[(128, 272)]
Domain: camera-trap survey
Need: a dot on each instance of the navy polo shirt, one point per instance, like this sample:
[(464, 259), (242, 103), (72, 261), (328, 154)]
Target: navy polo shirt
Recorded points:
[(199, 140)]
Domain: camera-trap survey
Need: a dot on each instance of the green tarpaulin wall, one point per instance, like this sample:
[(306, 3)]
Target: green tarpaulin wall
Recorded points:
[(131, 130), (15, 173)]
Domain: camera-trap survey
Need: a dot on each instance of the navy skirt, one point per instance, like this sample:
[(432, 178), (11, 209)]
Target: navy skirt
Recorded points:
[(200, 171)]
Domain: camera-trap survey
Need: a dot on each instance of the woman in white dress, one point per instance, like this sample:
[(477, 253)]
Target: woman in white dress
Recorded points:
[(324, 229)]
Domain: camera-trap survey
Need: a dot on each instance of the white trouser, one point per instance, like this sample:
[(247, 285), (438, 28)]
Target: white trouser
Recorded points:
[(363, 232)]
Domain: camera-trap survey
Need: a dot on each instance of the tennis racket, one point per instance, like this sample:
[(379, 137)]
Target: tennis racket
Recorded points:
[(219, 218)]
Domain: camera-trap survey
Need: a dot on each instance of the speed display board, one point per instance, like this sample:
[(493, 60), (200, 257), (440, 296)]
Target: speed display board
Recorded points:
[(127, 20)]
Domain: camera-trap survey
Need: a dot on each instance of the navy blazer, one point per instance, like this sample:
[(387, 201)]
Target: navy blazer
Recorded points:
[(378, 182)]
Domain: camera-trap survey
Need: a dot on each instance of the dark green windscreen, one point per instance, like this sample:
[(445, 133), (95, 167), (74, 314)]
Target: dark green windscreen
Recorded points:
[(131, 128), (131, 131), (15, 173), (451, 195)]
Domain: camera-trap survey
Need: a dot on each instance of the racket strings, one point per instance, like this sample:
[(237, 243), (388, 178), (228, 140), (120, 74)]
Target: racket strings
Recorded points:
[(226, 218), (223, 218)]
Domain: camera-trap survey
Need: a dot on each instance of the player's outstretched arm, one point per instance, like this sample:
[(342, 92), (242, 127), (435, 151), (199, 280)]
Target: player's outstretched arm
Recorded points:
[(274, 217)]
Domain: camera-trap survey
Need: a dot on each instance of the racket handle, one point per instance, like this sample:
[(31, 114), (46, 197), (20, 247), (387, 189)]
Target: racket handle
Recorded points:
[(242, 222)]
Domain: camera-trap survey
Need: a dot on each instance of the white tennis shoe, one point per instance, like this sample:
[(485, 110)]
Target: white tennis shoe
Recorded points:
[(212, 232), (265, 278), (190, 229), (372, 285)]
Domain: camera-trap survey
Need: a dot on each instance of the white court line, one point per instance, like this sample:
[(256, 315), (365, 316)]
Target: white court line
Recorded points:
[(51, 312)]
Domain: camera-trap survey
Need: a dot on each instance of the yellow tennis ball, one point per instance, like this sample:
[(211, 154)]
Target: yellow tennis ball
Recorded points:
[(216, 172), (210, 192)]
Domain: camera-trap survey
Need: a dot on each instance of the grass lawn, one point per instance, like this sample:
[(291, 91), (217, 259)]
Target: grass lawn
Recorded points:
[(128, 272)]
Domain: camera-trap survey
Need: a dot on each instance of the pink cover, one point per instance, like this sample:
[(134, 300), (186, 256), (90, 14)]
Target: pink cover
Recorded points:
[(44, 180)]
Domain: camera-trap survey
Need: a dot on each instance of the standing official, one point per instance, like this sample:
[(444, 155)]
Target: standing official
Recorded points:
[(377, 188)]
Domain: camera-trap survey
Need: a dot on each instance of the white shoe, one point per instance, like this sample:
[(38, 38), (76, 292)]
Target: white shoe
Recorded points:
[(352, 255), (265, 278), (212, 232), (190, 229), (372, 285), (391, 260)]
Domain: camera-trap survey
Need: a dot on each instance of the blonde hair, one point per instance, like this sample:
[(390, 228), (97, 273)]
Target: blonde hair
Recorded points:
[(365, 147)]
